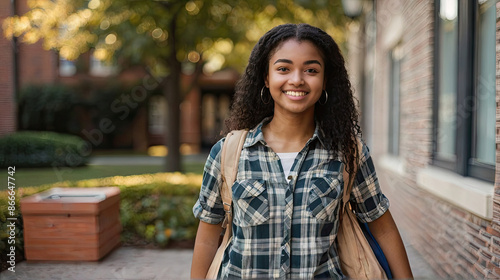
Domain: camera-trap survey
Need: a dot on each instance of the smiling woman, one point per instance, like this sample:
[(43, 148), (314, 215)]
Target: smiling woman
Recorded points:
[(287, 194)]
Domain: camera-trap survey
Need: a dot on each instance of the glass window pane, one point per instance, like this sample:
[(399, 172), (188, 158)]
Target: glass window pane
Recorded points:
[(394, 105), (101, 68), (157, 111), (67, 68), (486, 104), (447, 110)]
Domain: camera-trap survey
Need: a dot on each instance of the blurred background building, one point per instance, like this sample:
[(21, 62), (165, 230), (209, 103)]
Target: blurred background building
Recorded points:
[(143, 123), (427, 75)]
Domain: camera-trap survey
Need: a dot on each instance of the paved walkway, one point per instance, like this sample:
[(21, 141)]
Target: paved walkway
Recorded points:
[(123, 263), (132, 263)]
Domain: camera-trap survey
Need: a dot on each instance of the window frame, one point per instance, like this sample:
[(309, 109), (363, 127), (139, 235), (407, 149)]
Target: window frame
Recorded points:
[(394, 143), (477, 169), (464, 164)]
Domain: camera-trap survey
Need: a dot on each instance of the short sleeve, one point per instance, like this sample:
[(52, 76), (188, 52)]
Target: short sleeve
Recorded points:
[(367, 198), (209, 206)]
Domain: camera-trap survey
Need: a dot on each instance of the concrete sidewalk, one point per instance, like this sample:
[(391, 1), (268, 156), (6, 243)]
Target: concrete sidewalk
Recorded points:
[(144, 264), (123, 263)]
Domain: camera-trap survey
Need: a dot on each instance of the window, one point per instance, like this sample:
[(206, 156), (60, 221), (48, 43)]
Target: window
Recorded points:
[(484, 131), (215, 109), (464, 103), (101, 68), (447, 76), (394, 104), (67, 68), (157, 111)]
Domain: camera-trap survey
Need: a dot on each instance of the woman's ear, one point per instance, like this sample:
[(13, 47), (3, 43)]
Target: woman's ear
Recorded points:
[(266, 81)]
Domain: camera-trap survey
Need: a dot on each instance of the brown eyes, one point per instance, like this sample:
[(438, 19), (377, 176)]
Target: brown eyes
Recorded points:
[(285, 69)]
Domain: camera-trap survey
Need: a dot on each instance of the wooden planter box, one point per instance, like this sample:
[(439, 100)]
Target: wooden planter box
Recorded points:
[(71, 224)]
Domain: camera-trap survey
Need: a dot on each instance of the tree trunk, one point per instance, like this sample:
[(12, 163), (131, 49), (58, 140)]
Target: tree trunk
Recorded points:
[(172, 93)]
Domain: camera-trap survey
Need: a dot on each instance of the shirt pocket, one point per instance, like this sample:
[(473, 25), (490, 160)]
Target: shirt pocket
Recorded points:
[(323, 199), (250, 203)]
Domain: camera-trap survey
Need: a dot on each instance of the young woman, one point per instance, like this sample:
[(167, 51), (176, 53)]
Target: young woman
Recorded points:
[(296, 99)]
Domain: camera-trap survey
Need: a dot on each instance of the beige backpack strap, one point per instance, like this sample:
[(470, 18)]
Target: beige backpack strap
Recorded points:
[(230, 157), (231, 151), (348, 182)]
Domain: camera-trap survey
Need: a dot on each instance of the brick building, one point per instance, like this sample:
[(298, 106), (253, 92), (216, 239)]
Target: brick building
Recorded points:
[(23, 64), (7, 80), (427, 74)]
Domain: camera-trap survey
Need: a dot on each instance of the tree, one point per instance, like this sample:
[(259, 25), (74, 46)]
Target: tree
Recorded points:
[(166, 36)]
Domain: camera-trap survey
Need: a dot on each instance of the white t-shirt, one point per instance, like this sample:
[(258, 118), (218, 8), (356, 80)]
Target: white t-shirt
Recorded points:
[(287, 160)]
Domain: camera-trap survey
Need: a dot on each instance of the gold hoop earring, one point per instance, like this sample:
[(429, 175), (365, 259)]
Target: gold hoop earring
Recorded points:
[(262, 96), (326, 99)]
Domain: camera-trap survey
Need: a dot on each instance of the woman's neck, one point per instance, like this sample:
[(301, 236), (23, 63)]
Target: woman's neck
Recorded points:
[(286, 134)]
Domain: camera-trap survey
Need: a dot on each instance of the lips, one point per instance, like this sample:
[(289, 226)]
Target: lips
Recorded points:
[(295, 93)]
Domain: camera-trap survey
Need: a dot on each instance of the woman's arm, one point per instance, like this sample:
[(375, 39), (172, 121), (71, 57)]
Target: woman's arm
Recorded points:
[(387, 235), (205, 247)]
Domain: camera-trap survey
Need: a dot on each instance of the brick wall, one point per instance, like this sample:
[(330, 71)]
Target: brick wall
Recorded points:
[(36, 65), (7, 105), (456, 243), (496, 199)]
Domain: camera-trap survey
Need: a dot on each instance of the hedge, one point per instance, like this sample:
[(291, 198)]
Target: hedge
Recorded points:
[(155, 209), (48, 107), (43, 149)]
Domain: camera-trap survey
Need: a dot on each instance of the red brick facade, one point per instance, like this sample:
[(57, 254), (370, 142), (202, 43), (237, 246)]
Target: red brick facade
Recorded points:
[(36, 65), (456, 241), (7, 105)]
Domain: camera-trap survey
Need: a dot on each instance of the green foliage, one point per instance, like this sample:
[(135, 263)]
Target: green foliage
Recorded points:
[(158, 219), (154, 208), (47, 107), (143, 32), (42, 149)]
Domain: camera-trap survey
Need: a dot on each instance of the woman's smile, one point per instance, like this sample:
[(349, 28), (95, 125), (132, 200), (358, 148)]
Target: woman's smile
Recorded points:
[(295, 93)]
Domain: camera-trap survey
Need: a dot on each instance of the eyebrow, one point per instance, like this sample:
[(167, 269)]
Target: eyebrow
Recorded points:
[(282, 60)]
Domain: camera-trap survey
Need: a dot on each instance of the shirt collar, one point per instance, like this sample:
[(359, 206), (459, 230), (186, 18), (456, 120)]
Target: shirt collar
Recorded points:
[(255, 135)]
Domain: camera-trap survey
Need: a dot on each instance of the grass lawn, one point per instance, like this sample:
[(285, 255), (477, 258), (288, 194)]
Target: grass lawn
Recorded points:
[(39, 176)]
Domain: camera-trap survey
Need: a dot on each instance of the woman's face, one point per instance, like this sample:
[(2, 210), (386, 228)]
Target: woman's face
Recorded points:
[(296, 77)]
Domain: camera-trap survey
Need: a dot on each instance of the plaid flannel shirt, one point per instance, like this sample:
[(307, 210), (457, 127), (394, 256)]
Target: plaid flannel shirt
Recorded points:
[(282, 229)]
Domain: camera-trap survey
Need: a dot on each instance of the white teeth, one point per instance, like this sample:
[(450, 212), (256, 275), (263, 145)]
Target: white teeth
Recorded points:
[(295, 93)]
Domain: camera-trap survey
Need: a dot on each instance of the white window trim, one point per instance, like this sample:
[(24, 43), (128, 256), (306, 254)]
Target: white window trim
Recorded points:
[(470, 194), (393, 164)]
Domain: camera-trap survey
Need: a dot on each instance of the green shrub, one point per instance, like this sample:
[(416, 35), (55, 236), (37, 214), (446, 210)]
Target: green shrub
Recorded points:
[(47, 107), (154, 208), (43, 149)]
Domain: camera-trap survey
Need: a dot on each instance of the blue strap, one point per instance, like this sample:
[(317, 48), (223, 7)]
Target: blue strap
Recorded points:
[(376, 249)]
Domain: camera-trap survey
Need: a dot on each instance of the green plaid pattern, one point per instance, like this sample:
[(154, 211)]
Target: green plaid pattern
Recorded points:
[(286, 230)]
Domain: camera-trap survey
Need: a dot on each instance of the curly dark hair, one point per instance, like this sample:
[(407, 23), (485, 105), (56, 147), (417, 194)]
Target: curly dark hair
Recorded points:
[(338, 118)]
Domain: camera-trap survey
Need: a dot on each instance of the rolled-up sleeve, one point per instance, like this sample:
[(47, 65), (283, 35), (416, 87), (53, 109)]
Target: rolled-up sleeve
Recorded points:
[(209, 206), (367, 198)]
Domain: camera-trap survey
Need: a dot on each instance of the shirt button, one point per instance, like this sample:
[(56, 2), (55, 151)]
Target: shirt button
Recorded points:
[(290, 177)]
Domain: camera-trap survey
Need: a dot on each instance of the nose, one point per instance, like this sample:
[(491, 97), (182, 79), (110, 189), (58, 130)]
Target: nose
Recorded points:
[(296, 78)]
